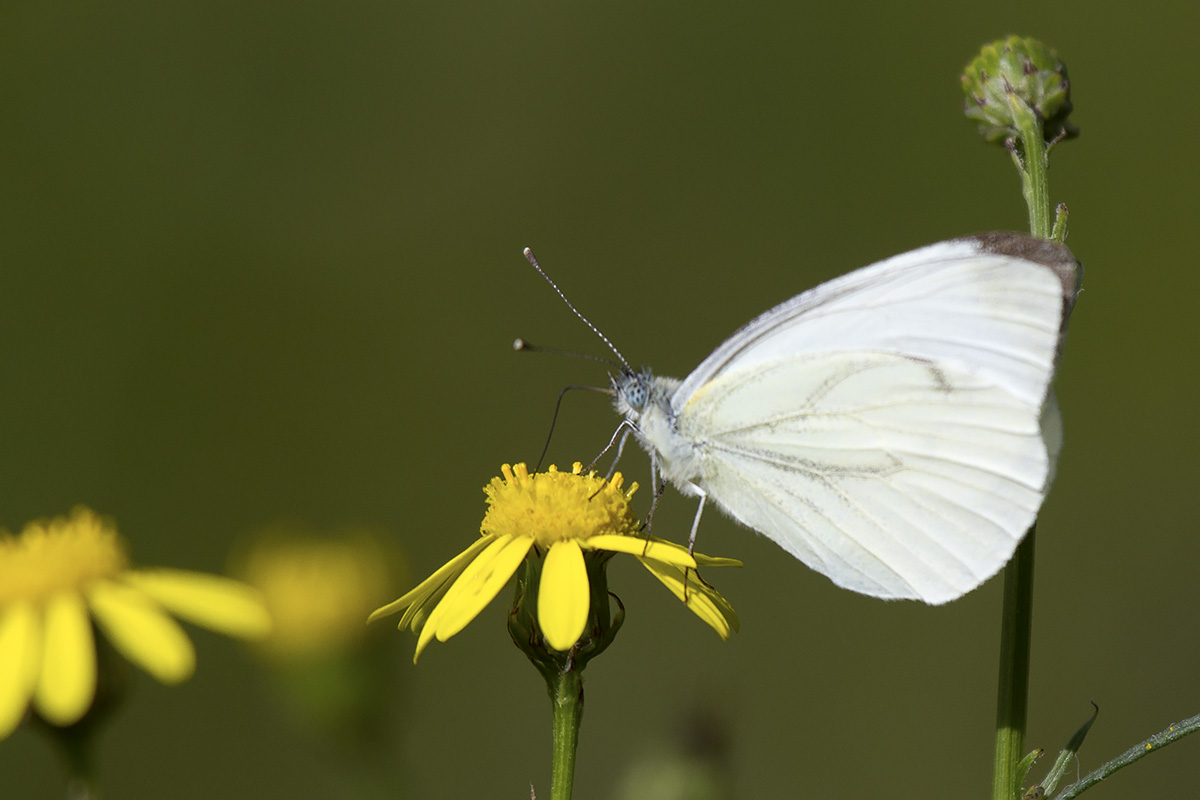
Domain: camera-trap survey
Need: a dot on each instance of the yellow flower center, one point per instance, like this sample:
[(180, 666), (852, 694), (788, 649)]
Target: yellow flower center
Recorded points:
[(56, 554), (553, 506)]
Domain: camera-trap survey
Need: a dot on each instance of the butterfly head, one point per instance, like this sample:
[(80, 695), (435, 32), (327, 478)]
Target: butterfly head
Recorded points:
[(639, 393), (632, 392)]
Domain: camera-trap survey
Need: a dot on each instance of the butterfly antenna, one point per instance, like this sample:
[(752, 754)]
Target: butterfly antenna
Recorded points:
[(533, 262), (525, 346)]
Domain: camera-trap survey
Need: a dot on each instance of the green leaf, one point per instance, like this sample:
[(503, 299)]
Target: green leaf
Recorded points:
[(1024, 764), (1067, 754)]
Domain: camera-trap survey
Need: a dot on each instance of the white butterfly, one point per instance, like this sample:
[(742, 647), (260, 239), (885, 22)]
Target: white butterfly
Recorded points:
[(893, 428)]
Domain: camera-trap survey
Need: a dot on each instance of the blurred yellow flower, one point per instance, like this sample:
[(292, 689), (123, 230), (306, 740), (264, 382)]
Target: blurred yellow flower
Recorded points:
[(317, 588), (567, 519), (60, 574)]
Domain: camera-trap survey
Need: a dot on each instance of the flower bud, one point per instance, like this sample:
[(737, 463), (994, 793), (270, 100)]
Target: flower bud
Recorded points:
[(1015, 82)]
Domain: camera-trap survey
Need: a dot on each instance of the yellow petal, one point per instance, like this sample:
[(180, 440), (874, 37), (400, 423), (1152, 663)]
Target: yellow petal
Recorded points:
[(563, 595), (715, 561), (143, 632), (704, 601), (669, 552), (20, 657), (428, 587), (429, 628), (478, 584), (67, 678), (220, 604)]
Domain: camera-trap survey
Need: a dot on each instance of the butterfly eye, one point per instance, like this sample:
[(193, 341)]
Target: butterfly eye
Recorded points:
[(636, 392)]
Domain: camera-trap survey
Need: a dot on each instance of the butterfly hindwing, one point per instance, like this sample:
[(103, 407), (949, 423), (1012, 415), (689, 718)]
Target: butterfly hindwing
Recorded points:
[(889, 475)]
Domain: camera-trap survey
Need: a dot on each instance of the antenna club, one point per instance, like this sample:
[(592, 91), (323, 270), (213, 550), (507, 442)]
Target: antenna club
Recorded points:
[(533, 262)]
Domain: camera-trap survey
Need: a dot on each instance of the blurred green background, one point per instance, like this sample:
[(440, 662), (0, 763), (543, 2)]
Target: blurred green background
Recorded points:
[(262, 261)]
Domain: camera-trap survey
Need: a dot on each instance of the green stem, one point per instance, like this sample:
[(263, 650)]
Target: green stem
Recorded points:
[(1012, 697), (567, 699), (1034, 164)]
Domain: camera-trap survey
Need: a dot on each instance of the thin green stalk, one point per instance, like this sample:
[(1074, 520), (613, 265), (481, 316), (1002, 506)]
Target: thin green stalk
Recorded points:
[(567, 699), (1034, 181), (1012, 696), (1016, 629)]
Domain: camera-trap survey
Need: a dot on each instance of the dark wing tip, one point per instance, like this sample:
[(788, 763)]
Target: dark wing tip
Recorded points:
[(1060, 260), (1050, 254), (1022, 245)]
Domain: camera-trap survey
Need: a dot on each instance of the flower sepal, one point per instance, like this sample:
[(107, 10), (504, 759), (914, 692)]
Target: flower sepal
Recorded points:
[(598, 632)]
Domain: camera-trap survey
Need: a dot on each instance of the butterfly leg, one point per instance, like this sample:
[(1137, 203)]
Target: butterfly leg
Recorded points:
[(624, 435), (703, 495), (618, 438), (620, 449), (659, 488)]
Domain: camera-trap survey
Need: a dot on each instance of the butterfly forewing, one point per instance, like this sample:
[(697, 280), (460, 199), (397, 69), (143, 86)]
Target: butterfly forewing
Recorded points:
[(956, 303)]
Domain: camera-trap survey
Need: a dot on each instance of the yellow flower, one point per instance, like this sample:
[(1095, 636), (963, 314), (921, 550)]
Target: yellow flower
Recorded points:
[(317, 588), (61, 573), (566, 519)]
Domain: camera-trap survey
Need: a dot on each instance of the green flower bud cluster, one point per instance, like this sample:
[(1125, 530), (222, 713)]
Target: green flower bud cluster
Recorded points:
[(1016, 82)]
